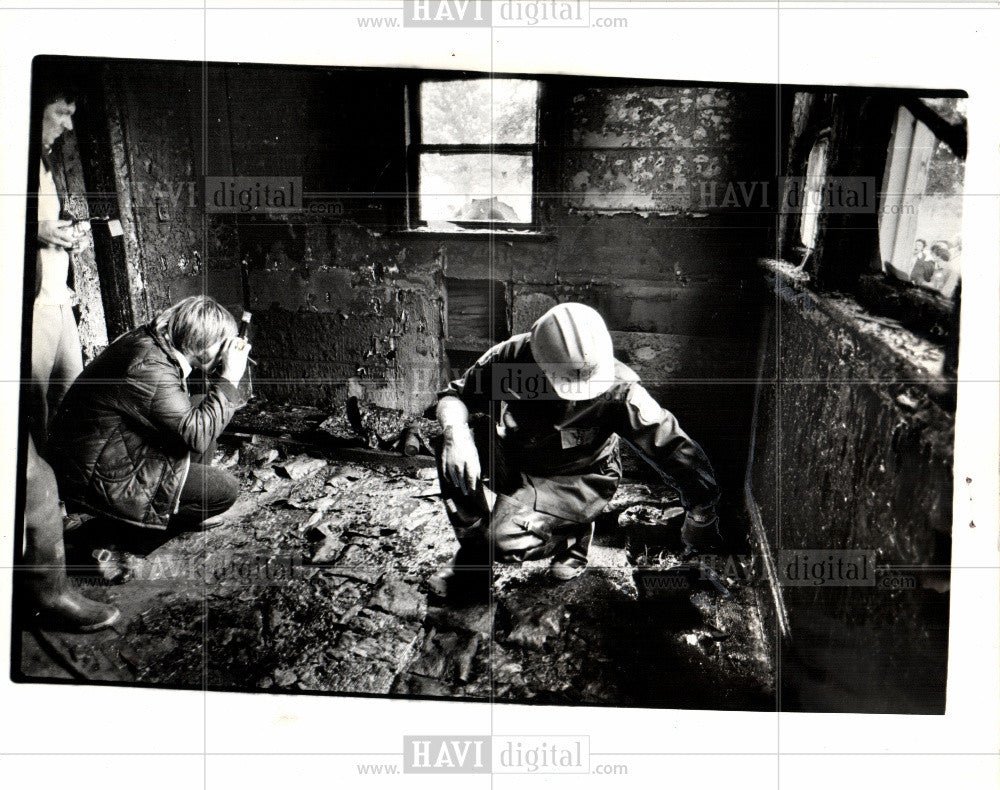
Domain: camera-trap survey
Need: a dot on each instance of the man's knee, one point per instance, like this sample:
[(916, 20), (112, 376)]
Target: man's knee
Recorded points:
[(517, 532), (226, 491)]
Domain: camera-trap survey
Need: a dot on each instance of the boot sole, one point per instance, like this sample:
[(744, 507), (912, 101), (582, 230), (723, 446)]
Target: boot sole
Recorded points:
[(42, 624), (89, 629)]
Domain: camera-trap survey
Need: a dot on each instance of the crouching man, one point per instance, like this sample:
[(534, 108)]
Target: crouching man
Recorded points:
[(130, 444), (558, 402)]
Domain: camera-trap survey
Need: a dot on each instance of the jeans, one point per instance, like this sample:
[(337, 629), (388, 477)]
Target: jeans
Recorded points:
[(208, 490)]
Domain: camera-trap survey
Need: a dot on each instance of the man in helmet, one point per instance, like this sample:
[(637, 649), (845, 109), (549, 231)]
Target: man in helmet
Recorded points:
[(558, 401)]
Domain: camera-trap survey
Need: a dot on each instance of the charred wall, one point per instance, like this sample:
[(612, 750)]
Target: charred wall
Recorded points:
[(346, 298), (338, 307), (853, 450)]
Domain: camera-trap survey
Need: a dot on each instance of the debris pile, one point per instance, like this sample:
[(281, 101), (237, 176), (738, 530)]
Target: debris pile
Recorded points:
[(314, 582)]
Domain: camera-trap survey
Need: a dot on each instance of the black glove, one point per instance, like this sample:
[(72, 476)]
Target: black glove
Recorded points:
[(700, 532)]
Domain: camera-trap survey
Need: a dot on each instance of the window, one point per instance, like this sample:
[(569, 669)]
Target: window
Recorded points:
[(473, 144), (813, 193), (920, 223)]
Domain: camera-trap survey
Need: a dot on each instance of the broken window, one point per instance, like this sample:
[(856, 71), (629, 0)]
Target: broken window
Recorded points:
[(474, 143), (920, 224)]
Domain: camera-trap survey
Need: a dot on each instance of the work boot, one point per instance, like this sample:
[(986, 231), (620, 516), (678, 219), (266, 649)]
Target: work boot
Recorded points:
[(461, 583), (572, 561), (51, 603)]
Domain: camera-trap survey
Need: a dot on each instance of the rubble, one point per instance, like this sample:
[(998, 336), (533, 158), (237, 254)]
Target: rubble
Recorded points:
[(314, 582), (326, 547), (345, 424), (401, 599), (300, 467), (534, 625)]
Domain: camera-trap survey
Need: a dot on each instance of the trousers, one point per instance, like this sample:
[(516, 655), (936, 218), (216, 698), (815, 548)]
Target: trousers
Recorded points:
[(56, 361), (498, 521)]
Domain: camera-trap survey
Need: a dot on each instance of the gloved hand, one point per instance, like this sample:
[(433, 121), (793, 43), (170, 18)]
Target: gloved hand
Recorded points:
[(700, 532), (460, 459)]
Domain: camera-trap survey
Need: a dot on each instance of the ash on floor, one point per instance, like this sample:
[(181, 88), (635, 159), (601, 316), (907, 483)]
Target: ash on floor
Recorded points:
[(313, 582)]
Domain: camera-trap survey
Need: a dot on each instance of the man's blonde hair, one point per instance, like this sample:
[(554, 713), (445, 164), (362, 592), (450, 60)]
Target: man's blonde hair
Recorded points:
[(195, 324)]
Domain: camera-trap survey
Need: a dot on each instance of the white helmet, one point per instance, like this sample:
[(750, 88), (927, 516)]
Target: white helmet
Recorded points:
[(572, 346)]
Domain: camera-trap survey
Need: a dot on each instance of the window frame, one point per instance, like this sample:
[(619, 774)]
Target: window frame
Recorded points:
[(904, 182), (415, 148), (809, 216), (847, 258)]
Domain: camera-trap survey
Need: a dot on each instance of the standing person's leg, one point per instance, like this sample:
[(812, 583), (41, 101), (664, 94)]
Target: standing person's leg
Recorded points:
[(51, 601), (67, 361), (46, 328)]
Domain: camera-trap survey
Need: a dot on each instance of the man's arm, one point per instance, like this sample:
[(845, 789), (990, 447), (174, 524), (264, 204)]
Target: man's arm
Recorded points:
[(170, 411), (658, 437), (459, 456), (471, 391), (452, 412)]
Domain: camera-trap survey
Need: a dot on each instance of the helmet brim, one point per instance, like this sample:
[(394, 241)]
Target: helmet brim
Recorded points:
[(575, 388)]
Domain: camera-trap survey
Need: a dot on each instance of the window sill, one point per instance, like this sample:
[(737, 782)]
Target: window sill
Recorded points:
[(466, 233), (898, 351)]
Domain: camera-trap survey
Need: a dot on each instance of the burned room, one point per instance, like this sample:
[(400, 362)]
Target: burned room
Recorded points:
[(521, 388)]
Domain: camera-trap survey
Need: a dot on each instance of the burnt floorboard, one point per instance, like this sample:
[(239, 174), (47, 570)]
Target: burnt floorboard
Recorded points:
[(313, 583)]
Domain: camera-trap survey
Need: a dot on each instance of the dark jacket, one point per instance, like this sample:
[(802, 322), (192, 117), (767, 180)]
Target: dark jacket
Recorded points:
[(568, 450), (123, 437)]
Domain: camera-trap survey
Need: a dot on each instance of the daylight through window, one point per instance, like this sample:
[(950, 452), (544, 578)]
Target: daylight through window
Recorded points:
[(476, 152)]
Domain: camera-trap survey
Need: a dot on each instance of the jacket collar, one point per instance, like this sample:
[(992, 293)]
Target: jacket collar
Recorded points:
[(176, 356), (182, 361)]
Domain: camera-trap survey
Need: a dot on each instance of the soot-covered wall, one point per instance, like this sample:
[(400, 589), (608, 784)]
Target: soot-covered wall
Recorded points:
[(853, 451), (633, 218)]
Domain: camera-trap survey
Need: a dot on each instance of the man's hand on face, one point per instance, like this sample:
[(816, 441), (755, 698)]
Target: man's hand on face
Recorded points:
[(460, 458), (58, 233), (233, 359)]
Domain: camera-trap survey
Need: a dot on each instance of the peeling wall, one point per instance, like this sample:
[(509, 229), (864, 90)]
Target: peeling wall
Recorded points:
[(661, 148), (685, 280), (155, 119), (371, 326), (85, 278), (338, 307)]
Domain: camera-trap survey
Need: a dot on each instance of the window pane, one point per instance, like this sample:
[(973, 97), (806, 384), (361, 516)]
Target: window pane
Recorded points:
[(813, 197), (480, 112), (475, 187), (937, 246), (921, 222)]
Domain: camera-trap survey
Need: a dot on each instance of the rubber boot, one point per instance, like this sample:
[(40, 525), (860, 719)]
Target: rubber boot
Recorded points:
[(48, 600), (51, 604)]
